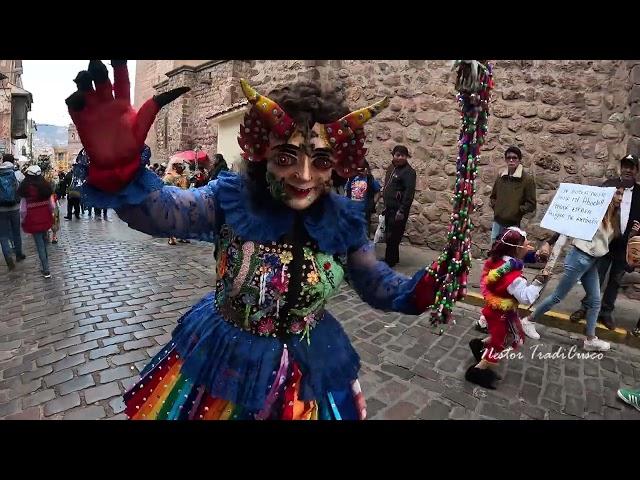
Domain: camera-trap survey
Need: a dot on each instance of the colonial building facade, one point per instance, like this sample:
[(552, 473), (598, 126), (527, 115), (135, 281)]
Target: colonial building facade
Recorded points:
[(573, 120)]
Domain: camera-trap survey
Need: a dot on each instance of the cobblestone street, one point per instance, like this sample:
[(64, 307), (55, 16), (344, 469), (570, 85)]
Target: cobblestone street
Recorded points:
[(71, 345)]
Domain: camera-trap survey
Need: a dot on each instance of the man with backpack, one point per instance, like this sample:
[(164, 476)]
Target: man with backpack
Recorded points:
[(10, 211)]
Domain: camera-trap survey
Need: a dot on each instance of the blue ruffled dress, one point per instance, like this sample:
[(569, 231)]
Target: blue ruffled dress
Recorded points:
[(248, 350)]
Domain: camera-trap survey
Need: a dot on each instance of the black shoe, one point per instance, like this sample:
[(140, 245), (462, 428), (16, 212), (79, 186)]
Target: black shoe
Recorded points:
[(20, 257), (67, 218), (77, 217), (578, 315), (481, 329), (636, 332), (608, 322), (477, 346), (483, 377)]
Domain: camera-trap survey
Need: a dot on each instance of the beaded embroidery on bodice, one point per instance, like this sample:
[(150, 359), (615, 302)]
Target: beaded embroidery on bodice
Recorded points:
[(253, 280)]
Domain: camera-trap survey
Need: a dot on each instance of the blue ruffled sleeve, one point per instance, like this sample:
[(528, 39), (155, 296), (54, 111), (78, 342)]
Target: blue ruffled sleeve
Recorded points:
[(379, 285), (172, 212)]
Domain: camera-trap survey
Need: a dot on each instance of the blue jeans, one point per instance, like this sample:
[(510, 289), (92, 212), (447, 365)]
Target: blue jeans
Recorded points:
[(496, 228), (10, 230), (41, 246), (577, 265)]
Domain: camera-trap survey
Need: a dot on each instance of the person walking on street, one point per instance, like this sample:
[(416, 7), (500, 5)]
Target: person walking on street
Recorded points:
[(503, 288), (36, 212), (580, 263), (177, 178), (513, 194), (615, 260), (398, 193), (73, 196), (10, 211)]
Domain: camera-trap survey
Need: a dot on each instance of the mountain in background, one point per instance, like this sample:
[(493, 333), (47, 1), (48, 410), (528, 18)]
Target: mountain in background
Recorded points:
[(52, 135)]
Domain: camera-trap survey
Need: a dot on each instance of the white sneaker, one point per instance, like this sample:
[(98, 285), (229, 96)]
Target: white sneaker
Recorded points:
[(596, 345), (529, 328), (482, 322)]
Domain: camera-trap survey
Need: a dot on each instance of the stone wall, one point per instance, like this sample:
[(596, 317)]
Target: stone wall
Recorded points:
[(572, 120)]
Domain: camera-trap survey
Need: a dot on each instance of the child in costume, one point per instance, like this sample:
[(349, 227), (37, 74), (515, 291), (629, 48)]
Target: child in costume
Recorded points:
[(262, 345), (504, 288)]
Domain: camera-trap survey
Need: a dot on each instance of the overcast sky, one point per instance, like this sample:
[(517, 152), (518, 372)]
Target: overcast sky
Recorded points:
[(51, 81)]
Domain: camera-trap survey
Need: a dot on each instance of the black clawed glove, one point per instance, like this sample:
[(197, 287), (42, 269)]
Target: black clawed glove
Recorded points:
[(84, 81), (98, 71), (170, 96)]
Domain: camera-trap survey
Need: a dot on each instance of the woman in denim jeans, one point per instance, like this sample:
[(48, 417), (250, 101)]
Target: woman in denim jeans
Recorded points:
[(36, 211), (581, 263)]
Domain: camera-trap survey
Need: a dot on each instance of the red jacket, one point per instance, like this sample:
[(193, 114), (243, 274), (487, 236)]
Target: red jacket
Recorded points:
[(38, 216)]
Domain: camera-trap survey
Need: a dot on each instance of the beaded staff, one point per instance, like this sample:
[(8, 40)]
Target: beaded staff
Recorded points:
[(450, 271)]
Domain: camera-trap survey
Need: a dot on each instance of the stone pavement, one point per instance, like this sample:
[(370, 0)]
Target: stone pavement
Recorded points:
[(71, 345)]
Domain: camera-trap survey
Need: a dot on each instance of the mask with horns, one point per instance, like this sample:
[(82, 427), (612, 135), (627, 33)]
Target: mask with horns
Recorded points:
[(346, 135)]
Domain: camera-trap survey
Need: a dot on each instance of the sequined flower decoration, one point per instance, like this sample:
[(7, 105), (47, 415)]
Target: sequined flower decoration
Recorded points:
[(280, 284), (286, 257), (327, 265), (263, 269), (297, 326), (266, 326), (312, 277)]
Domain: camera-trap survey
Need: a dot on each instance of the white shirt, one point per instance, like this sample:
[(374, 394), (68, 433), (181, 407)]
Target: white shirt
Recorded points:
[(625, 208), (523, 292)]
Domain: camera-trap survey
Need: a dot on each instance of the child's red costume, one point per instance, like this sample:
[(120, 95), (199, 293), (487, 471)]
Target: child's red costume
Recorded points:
[(501, 308)]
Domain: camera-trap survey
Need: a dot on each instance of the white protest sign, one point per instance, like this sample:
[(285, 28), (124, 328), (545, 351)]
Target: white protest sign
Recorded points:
[(577, 210)]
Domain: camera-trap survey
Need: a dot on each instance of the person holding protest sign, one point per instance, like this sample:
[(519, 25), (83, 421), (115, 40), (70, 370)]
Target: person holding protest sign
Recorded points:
[(581, 262), (614, 261)]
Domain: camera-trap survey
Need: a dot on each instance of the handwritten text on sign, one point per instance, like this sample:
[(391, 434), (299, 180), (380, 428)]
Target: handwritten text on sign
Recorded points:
[(577, 210)]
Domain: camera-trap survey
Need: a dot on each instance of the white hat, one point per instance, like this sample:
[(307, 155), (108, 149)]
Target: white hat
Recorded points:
[(34, 170)]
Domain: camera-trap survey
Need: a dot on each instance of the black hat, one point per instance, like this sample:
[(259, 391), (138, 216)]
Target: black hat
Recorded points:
[(401, 149), (632, 159)]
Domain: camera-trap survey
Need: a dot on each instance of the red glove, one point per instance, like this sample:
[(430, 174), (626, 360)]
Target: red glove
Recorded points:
[(424, 294), (110, 130)]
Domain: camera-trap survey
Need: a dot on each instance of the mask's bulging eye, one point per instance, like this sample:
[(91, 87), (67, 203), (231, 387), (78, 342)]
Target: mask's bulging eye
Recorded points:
[(286, 159), (322, 163)]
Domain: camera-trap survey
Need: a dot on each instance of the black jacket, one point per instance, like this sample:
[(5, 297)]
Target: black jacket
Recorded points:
[(619, 245), (399, 189)]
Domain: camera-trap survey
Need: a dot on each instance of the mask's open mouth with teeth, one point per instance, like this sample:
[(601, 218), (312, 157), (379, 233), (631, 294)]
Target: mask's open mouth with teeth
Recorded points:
[(298, 192)]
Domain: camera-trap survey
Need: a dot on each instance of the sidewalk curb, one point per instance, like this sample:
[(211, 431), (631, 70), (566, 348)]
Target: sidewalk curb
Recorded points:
[(561, 321)]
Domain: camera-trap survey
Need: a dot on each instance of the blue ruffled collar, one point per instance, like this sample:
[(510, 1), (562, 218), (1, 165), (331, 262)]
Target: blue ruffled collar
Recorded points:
[(334, 222)]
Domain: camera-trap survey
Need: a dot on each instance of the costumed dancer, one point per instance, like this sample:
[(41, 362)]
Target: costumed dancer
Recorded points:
[(262, 346), (504, 288)]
